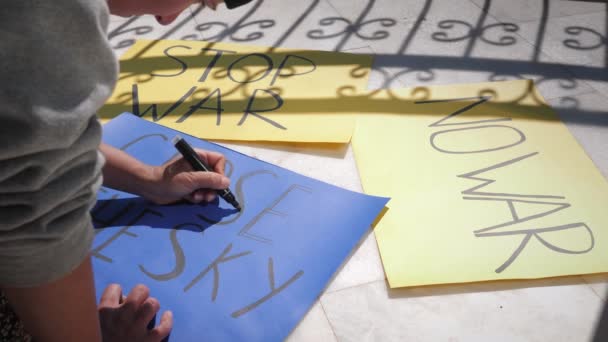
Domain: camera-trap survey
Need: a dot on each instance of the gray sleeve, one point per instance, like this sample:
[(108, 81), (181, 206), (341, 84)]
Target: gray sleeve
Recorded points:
[(57, 69)]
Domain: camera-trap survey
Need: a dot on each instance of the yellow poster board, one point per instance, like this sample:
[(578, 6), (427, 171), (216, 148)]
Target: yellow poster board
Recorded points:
[(486, 183), (239, 92)]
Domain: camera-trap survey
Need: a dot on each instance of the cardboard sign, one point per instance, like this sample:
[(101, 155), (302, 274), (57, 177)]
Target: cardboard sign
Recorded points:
[(486, 183), (239, 92), (226, 275)]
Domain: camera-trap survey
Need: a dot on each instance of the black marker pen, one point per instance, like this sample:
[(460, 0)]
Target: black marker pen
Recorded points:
[(197, 164)]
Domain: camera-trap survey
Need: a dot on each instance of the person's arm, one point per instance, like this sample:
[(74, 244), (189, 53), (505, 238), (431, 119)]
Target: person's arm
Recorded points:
[(173, 181), (63, 310), (165, 10), (123, 172)]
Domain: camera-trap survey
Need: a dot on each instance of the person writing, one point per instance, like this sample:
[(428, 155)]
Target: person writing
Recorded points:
[(57, 68)]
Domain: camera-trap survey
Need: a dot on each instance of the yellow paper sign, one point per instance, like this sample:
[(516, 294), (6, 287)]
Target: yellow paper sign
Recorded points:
[(238, 92), (486, 183)]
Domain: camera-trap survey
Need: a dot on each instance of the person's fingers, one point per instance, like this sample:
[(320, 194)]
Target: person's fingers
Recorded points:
[(201, 195), (180, 164), (173, 159), (167, 19), (211, 4), (220, 166), (190, 198), (196, 197), (147, 311), (206, 180), (215, 160), (134, 300), (210, 195), (163, 329), (111, 296)]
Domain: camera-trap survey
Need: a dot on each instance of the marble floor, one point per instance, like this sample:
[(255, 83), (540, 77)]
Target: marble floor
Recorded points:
[(561, 44)]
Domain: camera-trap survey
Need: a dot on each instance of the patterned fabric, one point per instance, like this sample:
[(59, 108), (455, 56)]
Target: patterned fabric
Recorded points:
[(11, 328)]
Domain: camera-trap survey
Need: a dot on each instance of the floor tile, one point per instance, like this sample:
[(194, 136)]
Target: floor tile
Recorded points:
[(123, 32), (375, 22), (587, 119), (596, 78), (600, 84), (526, 10), (373, 13), (307, 24), (361, 267), (314, 327), (572, 40), (426, 63), (546, 310), (381, 76), (599, 284)]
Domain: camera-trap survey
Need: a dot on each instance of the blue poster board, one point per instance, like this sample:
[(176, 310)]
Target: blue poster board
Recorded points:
[(226, 275)]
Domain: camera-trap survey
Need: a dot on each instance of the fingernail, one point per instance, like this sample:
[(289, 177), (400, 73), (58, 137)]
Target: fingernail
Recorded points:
[(152, 323), (210, 197), (225, 182)]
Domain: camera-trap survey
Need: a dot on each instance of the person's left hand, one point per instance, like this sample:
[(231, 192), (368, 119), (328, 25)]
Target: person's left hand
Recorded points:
[(175, 180), (129, 318)]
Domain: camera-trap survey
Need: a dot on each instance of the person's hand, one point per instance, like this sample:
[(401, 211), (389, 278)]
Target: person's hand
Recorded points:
[(126, 318), (165, 11), (175, 180)]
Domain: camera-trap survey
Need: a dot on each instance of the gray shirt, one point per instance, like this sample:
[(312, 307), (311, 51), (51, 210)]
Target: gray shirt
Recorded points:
[(56, 70)]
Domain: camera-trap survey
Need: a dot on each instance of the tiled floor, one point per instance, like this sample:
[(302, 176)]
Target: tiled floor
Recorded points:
[(561, 44)]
